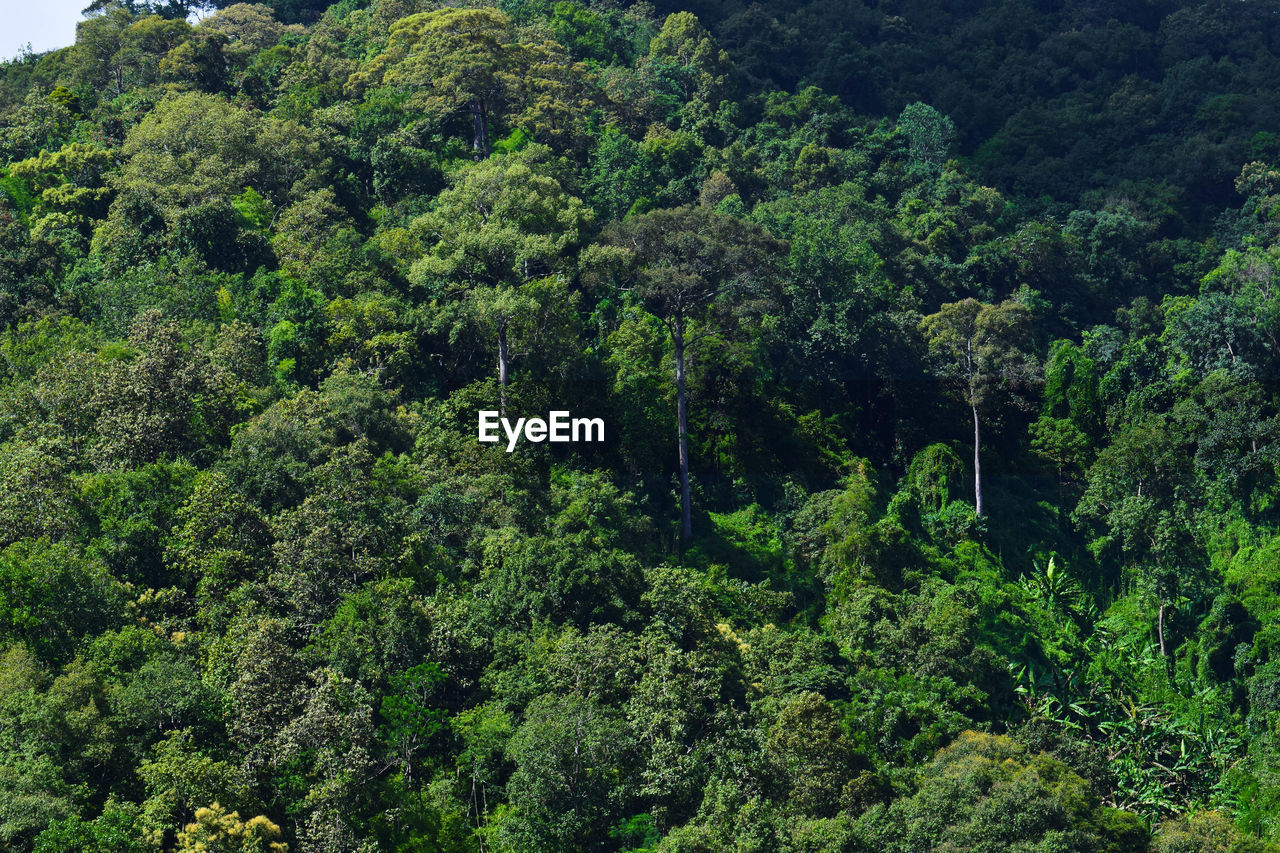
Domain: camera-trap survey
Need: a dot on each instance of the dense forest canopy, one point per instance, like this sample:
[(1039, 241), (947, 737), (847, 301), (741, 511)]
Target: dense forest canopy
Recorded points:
[(938, 345)]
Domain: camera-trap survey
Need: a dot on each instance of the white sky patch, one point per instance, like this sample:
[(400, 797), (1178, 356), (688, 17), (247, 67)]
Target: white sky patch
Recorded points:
[(44, 24)]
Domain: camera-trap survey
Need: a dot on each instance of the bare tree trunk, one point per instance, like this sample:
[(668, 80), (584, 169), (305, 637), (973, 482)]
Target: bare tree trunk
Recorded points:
[(682, 423), (977, 465), (480, 144), (1160, 628), (504, 367)]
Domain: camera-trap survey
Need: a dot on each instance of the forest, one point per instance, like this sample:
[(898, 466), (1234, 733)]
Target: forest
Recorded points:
[(937, 349)]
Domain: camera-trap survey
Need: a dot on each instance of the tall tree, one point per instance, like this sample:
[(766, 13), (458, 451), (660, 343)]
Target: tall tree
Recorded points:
[(929, 135), (703, 274), (980, 352), (506, 222), (476, 60)]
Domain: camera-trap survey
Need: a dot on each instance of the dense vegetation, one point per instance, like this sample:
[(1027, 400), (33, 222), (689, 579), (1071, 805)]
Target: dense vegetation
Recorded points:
[(970, 540)]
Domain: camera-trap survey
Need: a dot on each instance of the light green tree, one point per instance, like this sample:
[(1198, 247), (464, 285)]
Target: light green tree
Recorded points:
[(476, 60), (980, 353), (506, 223), (929, 135)]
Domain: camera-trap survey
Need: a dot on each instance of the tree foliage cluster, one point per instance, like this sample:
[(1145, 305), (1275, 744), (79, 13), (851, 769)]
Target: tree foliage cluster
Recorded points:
[(1062, 103), (932, 516)]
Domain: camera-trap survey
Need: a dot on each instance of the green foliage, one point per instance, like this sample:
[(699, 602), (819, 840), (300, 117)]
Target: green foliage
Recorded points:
[(984, 793), (451, 60), (408, 721), (507, 219), (115, 829), (929, 135), (1204, 831), (51, 596), (261, 588)]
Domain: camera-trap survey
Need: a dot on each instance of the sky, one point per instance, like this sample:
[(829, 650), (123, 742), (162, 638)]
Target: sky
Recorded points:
[(46, 24)]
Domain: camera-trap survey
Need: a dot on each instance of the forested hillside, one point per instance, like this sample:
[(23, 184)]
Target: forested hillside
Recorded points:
[(968, 541)]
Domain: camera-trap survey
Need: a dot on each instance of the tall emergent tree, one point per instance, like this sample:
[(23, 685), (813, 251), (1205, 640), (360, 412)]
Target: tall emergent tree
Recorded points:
[(476, 60), (505, 222), (980, 351), (702, 274), (929, 136)]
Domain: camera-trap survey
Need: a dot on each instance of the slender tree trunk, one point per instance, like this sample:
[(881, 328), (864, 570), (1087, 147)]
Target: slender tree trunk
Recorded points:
[(977, 465), (480, 144), (682, 423), (1160, 628), (504, 366)]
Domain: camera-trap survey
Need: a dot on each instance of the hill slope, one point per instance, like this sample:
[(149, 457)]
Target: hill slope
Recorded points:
[(931, 513)]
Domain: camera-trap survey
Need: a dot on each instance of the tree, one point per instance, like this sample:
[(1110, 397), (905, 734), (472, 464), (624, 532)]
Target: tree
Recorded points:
[(571, 759), (179, 777), (216, 830), (476, 60), (844, 313), (349, 528), (218, 540), (116, 830), (201, 62), (1205, 831), (1140, 488), (811, 755), (42, 123), (37, 495), (331, 741), (251, 27), (317, 243), (984, 793), (929, 134), (703, 275), (70, 182), (157, 403), (687, 52), (27, 285), (122, 47), (979, 354), (410, 718), (289, 11), (506, 222), (194, 149), (51, 595), (132, 513), (178, 9)]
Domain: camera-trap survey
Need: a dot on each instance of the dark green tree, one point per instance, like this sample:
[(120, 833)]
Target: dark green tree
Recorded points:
[(703, 275)]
